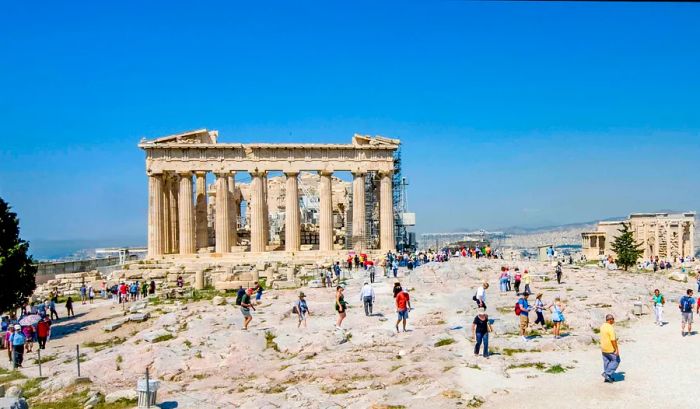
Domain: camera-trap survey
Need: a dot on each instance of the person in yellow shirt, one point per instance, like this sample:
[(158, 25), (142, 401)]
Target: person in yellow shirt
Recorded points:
[(527, 280), (609, 348)]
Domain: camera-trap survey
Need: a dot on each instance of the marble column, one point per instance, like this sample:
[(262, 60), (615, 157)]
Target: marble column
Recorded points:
[(258, 214), (325, 222), (668, 241), (386, 213), (155, 216), (358, 211), (201, 211), (186, 215), (681, 248), (266, 210), (222, 224), (691, 239), (233, 214), (292, 217), (165, 205), (173, 192), (657, 240)]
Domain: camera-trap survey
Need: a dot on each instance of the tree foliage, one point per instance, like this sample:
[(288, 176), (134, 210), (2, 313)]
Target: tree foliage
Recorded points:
[(627, 249), (17, 269)]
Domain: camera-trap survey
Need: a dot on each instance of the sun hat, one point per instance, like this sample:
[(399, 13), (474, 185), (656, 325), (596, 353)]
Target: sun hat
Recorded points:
[(301, 294), (17, 326)]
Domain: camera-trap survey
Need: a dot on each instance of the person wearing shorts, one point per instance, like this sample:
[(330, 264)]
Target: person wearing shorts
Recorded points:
[(524, 314), (246, 305), (403, 304), (686, 305)]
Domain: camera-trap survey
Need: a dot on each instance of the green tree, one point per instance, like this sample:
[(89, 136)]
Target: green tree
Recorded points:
[(627, 249), (17, 269)]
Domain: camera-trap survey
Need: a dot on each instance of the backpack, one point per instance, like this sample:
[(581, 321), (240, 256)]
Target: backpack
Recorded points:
[(518, 277), (687, 304), (295, 309), (518, 310)]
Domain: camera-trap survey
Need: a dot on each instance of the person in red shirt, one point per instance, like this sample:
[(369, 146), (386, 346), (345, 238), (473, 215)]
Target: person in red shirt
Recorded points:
[(403, 305), (43, 328)]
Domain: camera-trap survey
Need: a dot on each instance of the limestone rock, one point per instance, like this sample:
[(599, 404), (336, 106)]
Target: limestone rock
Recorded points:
[(151, 336), (139, 317), (218, 300), (13, 403), (129, 394), (13, 391), (678, 276)]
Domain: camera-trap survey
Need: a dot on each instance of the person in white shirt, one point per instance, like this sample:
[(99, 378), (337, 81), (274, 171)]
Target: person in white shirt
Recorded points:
[(480, 296), (367, 297)]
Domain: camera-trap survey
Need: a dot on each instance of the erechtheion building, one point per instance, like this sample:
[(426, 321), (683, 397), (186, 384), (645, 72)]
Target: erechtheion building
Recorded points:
[(187, 220), (664, 235)]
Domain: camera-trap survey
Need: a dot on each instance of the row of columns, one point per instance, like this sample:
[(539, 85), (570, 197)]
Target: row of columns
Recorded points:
[(177, 224)]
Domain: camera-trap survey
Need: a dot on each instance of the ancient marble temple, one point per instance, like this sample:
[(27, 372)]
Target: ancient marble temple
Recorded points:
[(177, 167), (664, 235)]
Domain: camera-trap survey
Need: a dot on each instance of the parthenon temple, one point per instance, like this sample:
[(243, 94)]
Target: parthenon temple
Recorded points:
[(188, 219), (664, 235)]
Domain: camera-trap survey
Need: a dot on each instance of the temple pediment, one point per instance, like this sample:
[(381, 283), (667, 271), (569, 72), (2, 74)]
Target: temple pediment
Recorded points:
[(189, 137), (363, 140)]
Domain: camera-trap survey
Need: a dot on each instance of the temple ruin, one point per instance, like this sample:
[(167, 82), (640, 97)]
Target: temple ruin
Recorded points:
[(664, 235), (305, 210)]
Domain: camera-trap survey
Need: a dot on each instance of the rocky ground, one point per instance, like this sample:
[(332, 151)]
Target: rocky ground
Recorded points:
[(203, 359)]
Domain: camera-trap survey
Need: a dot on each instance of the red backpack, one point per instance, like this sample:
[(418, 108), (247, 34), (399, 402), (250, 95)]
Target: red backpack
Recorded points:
[(517, 308)]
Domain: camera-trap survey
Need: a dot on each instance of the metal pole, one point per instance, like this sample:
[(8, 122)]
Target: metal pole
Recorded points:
[(77, 358), (148, 390), (38, 352)]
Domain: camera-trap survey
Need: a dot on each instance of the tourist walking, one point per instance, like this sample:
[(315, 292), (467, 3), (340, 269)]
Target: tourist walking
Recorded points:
[(52, 309), (83, 293), (558, 272), (503, 280), (609, 348), (367, 298), (480, 296), (258, 292), (337, 271), (91, 294), (372, 272), (246, 305), (69, 307), (28, 332), (395, 268), (658, 302), (527, 280), (686, 305), (17, 340), (240, 293), (480, 332), (43, 329), (403, 306), (7, 343), (522, 310), (557, 309), (517, 279), (539, 310), (340, 306), (302, 309)]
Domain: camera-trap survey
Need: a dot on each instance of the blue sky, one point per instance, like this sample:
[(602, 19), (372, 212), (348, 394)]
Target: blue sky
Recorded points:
[(510, 113)]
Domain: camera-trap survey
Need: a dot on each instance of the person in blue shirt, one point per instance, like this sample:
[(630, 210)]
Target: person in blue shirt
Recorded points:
[(524, 311), (686, 305), (17, 340)]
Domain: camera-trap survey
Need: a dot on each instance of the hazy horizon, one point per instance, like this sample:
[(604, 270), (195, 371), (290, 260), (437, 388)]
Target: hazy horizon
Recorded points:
[(510, 113)]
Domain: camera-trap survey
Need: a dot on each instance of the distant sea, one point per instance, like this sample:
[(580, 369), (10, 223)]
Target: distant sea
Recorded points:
[(72, 249)]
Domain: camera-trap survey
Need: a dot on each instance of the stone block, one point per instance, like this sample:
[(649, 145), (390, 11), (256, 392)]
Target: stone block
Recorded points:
[(111, 326), (138, 305), (153, 335), (139, 317), (284, 285)]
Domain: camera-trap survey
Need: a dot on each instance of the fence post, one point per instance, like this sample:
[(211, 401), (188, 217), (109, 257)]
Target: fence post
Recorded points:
[(148, 390), (77, 358), (38, 352)]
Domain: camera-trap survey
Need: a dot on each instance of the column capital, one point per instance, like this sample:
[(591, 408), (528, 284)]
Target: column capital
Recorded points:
[(359, 173), (325, 173), (292, 174), (384, 173), (257, 173), (185, 173), (200, 173)]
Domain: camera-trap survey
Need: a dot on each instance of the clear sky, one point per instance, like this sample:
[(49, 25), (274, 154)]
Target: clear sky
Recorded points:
[(510, 113)]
